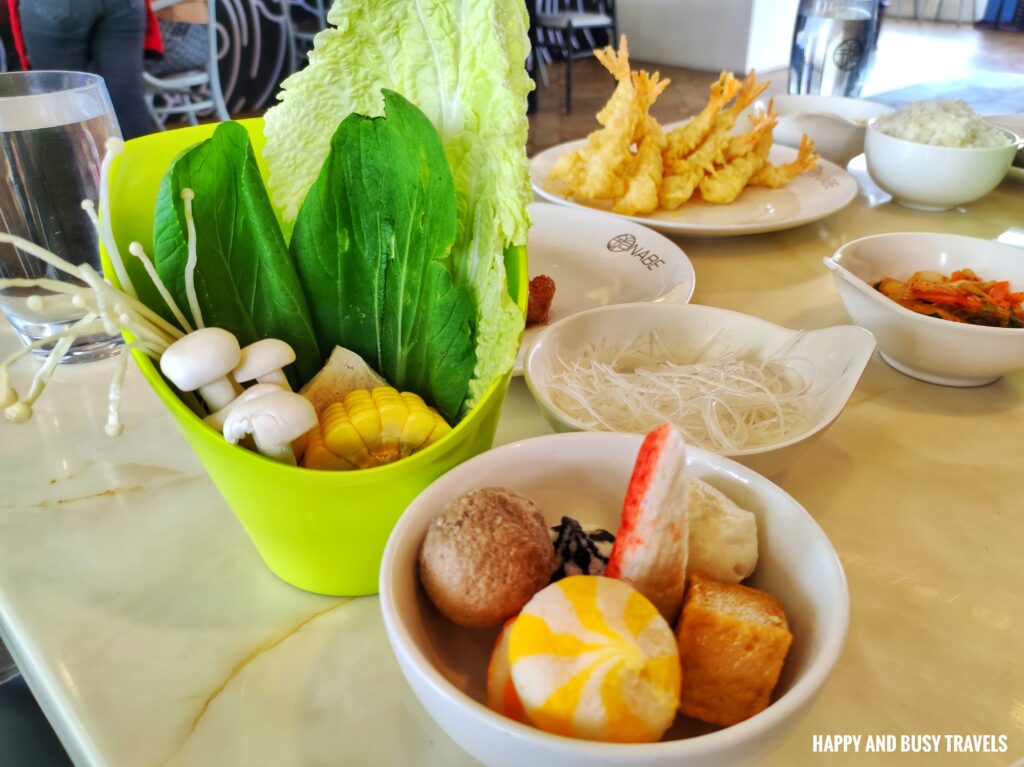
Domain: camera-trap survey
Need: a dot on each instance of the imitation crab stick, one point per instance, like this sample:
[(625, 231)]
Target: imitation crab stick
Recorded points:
[(652, 544)]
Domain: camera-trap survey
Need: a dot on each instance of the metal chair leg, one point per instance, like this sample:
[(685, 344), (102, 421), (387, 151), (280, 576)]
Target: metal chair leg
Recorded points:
[(213, 68), (568, 68), (153, 113), (537, 53)]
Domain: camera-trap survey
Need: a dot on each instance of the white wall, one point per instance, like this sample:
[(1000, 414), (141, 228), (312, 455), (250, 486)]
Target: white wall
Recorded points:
[(709, 35), (771, 34), (698, 34), (969, 11)]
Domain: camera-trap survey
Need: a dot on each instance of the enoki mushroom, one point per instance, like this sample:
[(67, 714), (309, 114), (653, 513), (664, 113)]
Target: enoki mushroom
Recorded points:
[(106, 309)]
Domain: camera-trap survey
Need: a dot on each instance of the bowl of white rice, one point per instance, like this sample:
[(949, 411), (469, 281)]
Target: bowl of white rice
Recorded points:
[(936, 155)]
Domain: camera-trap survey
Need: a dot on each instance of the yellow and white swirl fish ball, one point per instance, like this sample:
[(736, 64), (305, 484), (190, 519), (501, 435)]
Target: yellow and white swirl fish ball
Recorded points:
[(592, 658)]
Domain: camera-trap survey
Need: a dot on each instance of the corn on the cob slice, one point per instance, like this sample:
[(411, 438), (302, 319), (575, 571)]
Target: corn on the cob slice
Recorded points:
[(317, 455), (420, 422), (364, 415), (394, 412), (375, 427), (340, 435)]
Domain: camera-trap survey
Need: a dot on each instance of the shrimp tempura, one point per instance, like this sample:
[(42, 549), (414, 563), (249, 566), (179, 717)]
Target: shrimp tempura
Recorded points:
[(631, 163), (684, 175), (644, 175), (597, 170), (687, 137), (746, 153), (774, 176)]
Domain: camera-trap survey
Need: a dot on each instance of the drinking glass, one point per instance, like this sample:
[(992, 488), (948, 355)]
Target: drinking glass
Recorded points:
[(53, 132), (833, 44)]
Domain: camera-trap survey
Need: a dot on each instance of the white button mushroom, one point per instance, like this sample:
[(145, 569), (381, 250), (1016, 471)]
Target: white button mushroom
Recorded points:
[(202, 360), (216, 420), (262, 361), (274, 421)]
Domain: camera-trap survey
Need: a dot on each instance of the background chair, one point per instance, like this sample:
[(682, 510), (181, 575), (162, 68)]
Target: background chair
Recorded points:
[(305, 18), (569, 25), (192, 92)]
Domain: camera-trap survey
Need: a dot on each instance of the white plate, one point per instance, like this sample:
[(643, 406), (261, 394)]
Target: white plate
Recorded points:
[(596, 260), (1014, 124), (811, 196)]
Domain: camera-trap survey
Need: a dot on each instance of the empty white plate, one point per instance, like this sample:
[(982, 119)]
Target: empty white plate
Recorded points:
[(596, 260)]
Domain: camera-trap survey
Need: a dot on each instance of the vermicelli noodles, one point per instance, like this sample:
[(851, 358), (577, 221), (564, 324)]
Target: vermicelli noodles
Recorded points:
[(719, 401)]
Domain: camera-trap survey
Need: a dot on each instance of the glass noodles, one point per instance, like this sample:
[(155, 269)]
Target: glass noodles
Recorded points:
[(719, 398)]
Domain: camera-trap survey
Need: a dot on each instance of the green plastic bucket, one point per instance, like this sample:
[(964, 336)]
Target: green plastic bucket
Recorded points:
[(321, 531)]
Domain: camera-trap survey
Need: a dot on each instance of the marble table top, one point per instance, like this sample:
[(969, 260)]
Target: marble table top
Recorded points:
[(152, 634)]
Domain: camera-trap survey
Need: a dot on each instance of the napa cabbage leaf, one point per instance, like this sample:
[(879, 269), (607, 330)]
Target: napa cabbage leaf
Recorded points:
[(462, 63)]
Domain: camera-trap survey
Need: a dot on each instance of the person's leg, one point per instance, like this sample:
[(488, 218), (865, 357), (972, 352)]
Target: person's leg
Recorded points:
[(57, 32), (117, 57)]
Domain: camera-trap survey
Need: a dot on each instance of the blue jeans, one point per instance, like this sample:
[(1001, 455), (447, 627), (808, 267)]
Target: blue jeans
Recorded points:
[(103, 36)]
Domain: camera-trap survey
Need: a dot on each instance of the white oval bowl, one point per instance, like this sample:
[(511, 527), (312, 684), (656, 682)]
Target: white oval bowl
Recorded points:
[(836, 124), (839, 354), (585, 475), (926, 177), (930, 349)]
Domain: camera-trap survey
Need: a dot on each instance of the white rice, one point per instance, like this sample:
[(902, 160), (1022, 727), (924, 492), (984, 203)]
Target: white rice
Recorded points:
[(941, 123)]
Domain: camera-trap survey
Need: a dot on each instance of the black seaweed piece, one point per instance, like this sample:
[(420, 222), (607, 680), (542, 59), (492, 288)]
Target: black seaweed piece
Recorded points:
[(576, 552)]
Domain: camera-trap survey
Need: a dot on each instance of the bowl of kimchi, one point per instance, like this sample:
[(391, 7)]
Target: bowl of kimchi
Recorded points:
[(944, 308)]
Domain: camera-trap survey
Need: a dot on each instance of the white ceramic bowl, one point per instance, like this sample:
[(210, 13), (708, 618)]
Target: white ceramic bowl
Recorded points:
[(928, 348), (929, 177), (836, 124), (839, 355), (586, 475)]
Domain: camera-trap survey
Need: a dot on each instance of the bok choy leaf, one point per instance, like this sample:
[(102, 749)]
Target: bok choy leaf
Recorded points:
[(372, 245), (245, 281)]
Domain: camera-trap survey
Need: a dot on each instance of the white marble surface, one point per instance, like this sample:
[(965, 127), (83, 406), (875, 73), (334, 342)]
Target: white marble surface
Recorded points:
[(152, 634)]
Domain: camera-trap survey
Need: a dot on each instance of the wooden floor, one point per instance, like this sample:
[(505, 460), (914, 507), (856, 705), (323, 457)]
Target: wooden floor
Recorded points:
[(909, 53)]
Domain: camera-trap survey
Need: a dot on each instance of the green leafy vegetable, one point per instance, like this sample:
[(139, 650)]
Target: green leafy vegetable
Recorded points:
[(461, 62), (372, 243), (245, 281)]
